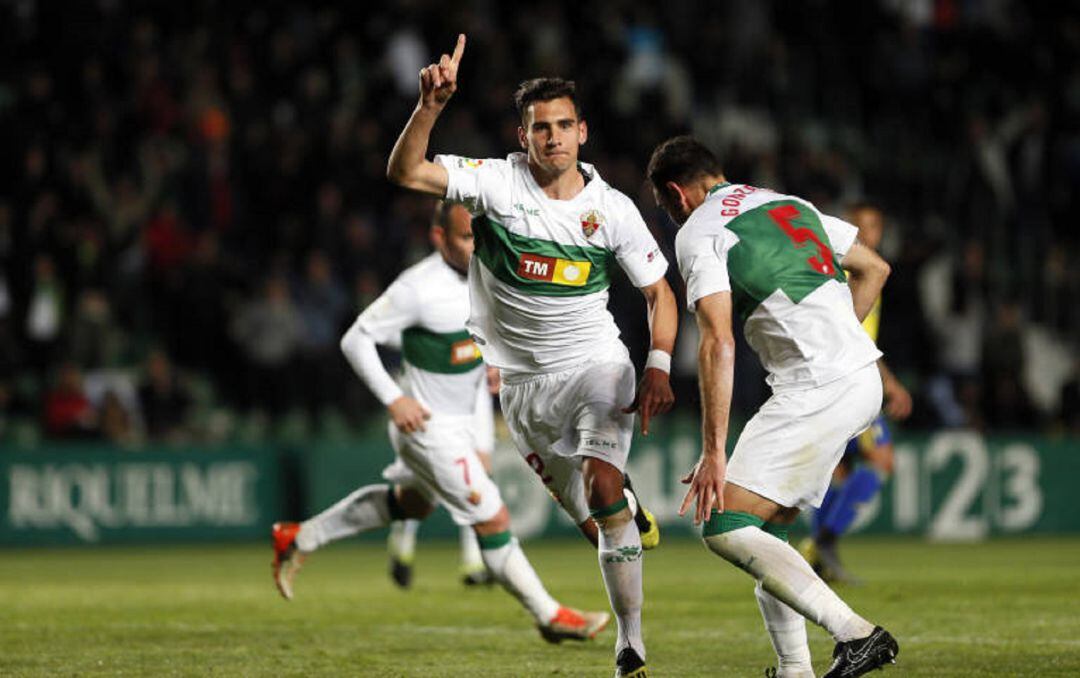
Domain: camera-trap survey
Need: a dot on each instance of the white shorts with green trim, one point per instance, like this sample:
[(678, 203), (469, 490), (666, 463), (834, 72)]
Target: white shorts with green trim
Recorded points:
[(558, 419), (441, 463), (788, 450)]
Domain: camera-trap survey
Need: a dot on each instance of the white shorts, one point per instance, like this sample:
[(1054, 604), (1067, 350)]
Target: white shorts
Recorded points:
[(558, 419), (441, 463), (788, 450)]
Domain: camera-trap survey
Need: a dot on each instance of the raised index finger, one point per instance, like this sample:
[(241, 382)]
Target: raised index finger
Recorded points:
[(459, 49)]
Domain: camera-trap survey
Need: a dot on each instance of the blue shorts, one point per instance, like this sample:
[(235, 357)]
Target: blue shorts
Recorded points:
[(877, 435)]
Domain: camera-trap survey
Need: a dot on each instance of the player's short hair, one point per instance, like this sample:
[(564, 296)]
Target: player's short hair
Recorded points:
[(441, 215), (682, 160), (545, 89)]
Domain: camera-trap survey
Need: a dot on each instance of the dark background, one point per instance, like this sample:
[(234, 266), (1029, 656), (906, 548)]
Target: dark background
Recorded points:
[(193, 204)]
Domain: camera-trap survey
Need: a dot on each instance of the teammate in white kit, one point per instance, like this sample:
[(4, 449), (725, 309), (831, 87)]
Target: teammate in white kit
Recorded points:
[(778, 264), (401, 540), (549, 232), (433, 432)]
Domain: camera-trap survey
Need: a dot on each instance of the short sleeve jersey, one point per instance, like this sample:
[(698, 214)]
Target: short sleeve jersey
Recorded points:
[(780, 259), (424, 311), (539, 278)]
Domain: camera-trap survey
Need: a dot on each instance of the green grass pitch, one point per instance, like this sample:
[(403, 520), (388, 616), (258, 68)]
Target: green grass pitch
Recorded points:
[(1007, 608)]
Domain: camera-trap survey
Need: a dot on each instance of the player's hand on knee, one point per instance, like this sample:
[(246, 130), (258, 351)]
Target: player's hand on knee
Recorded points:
[(654, 396), (438, 81), (706, 481), (408, 414)]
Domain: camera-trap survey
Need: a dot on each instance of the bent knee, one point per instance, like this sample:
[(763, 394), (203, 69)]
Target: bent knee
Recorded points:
[(603, 484), (412, 503), (500, 522)]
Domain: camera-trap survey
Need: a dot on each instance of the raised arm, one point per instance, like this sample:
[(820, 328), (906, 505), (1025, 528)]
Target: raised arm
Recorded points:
[(654, 395), (716, 370), (408, 166), (867, 273)]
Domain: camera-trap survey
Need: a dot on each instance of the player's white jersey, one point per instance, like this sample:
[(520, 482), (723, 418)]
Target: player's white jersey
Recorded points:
[(780, 259), (539, 278), (424, 311)]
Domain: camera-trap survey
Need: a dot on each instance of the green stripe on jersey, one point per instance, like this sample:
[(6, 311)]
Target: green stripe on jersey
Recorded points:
[(782, 246), (447, 353), (541, 267)]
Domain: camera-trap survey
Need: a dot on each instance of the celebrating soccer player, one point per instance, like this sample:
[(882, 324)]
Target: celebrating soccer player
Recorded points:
[(548, 233)]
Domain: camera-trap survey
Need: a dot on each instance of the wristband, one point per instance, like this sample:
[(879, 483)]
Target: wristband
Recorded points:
[(661, 360)]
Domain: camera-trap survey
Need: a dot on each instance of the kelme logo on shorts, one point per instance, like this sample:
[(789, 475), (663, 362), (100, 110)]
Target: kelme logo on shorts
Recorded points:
[(550, 269)]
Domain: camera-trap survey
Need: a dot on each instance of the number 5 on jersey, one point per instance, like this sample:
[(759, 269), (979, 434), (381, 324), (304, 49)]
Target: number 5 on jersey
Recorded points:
[(783, 216)]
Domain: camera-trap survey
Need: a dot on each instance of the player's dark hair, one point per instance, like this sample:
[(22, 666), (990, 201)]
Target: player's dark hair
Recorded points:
[(682, 160), (441, 216), (545, 89)]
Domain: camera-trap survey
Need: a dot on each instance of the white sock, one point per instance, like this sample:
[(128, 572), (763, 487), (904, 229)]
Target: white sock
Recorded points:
[(620, 563), (787, 629), (402, 541), (506, 561), (364, 509), (787, 576), (471, 560)]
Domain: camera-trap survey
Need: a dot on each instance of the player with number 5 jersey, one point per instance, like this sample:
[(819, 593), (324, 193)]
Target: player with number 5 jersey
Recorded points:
[(788, 289), (775, 263)]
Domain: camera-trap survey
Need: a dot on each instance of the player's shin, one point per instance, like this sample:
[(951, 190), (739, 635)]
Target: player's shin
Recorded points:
[(786, 627), (365, 509), (738, 538), (471, 558), (621, 566), (508, 565), (787, 631), (402, 540)]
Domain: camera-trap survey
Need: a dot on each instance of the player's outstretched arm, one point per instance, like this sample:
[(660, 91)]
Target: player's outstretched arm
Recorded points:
[(654, 395), (408, 165), (716, 372), (867, 273)]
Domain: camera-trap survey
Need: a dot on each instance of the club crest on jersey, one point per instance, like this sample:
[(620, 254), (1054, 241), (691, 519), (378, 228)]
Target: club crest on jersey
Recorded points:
[(591, 222), (472, 163)]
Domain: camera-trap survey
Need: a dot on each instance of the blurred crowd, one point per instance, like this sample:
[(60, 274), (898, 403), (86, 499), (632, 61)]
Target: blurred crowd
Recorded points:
[(195, 208)]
